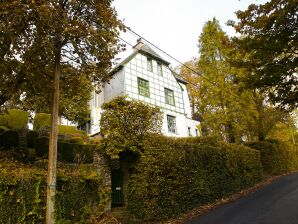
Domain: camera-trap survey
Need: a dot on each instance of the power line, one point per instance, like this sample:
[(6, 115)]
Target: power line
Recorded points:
[(181, 63)]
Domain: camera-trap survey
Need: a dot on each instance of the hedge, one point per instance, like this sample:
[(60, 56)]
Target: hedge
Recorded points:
[(30, 138), (277, 157), (41, 120), (174, 176), (9, 139), (14, 119), (23, 194), (69, 152)]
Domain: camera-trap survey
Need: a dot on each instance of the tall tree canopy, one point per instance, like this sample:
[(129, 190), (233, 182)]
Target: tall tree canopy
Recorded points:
[(228, 110), (220, 102), (36, 34), (269, 45)]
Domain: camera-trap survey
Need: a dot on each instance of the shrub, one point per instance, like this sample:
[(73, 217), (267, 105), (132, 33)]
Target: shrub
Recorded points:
[(23, 194), (41, 120), (277, 157), (30, 137), (9, 139), (76, 153), (176, 175), (64, 129), (3, 129), (77, 140), (15, 119), (41, 146)]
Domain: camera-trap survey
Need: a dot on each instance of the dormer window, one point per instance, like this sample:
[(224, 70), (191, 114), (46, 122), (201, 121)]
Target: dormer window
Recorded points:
[(159, 68), (149, 65)]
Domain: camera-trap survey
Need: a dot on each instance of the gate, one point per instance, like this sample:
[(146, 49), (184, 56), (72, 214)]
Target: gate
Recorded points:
[(117, 188)]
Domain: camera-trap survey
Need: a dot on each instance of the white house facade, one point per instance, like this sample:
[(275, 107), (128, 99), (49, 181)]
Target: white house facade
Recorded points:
[(145, 76)]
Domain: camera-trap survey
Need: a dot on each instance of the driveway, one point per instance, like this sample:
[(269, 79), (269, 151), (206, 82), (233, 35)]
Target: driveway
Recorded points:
[(276, 203)]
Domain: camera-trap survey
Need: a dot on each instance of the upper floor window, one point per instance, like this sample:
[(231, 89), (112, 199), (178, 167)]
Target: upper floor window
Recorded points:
[(149, 65), (143, 86), (171, 123), (159, 68), (169, 95)]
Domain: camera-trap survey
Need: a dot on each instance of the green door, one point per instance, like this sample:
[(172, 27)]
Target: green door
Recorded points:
[(117, 188)]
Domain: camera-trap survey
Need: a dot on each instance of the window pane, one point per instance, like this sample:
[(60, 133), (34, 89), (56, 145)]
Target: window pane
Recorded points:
[(159, 68), (149, 65), (143, 86), (169, 95), (171, 124)]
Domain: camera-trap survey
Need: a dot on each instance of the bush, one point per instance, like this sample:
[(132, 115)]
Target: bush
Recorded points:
[(64, 129), (9, 139), (76, 153), (175, 175), (3, 129), (14, 119), (41, 146), (277, 157), (30, 137), (41, 120), (77, 140), (23, 194)]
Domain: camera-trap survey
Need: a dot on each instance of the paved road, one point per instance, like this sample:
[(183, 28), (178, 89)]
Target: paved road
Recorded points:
[(276, 203)]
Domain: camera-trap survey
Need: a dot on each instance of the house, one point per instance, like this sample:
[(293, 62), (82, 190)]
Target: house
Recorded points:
[(146, 76)]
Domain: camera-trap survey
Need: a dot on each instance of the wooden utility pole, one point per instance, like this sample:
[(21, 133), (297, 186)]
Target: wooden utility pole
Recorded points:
[(52, 163)]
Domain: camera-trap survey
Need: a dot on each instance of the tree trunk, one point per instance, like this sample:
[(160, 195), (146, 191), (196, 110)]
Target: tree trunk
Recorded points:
[(52, 163)]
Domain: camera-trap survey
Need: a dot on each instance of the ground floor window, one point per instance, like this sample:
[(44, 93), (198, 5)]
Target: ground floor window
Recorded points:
[(171, 124)]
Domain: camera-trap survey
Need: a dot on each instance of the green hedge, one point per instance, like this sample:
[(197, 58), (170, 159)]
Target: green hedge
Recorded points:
[(14, 119), (23, 194), (30, 138), (9, 139), (41, 120), (69, 152), (175, 175), (277, 157)]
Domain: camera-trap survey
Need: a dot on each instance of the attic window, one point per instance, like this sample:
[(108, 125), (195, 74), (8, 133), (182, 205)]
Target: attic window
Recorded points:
[(159, 68), (149, 65)]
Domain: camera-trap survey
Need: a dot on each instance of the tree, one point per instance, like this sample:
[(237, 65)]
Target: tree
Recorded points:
[(269, 45), (219, 99), (40, 39), (127, 124)]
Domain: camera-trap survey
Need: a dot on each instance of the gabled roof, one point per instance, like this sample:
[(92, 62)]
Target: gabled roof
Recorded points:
[(179, 77), (146, 50)]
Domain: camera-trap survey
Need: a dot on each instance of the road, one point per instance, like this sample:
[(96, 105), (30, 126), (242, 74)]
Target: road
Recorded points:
[(276, 203)]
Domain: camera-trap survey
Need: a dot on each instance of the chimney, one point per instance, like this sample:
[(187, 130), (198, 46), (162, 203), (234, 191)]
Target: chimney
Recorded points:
[(139, 45)]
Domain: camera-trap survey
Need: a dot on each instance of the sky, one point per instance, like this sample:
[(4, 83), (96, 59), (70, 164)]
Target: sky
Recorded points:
[(175, 25)]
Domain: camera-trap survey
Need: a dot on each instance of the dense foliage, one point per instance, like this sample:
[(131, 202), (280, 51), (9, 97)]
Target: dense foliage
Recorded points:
[(175, 175), (22, 194), (67, 151), (228, 109), (268, 47), (75, 38), (277, 157), (14, 119), (127, 124)]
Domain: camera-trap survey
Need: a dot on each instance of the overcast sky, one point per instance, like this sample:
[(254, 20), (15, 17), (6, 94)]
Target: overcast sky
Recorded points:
[(175, 25)]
